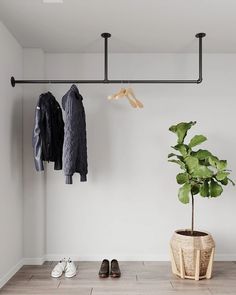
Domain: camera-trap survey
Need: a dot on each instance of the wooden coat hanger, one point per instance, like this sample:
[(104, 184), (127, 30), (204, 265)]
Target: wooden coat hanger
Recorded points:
[(129, 94), (118, 94)]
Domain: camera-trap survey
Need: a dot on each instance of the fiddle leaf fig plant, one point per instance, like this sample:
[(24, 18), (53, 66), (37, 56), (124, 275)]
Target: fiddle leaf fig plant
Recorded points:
[(202, 172)]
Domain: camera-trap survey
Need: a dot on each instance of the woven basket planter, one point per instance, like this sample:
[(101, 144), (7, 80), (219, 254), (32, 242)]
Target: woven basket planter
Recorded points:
[(192, 256)]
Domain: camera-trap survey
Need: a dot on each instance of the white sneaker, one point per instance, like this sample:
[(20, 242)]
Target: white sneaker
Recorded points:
[(70, 270), (59, 269)]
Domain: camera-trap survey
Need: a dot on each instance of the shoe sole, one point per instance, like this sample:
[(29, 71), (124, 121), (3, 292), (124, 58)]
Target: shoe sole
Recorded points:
[(56, 277), (66, 276), (114, 276), (103, 276)]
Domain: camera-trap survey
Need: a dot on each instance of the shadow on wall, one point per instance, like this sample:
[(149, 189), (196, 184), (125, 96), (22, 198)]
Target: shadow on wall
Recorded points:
[(16, 138), (34, 183), (99, 142)]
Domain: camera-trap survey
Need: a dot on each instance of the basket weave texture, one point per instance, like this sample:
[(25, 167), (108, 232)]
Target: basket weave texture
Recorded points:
[(189, 246)]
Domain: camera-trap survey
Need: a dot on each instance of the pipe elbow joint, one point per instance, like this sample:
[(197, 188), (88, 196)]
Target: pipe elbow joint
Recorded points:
[(199, 80)]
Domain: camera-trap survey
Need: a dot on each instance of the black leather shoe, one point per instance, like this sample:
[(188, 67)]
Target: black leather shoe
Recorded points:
[(115, 269), (104, 269)]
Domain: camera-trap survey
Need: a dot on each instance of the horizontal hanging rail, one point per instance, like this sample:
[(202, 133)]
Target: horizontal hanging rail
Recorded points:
[(106, 80)]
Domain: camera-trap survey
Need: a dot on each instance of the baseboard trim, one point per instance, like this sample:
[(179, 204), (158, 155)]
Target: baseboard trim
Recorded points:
[(76, 257), (11, 273), (34, 261), (225, 257)]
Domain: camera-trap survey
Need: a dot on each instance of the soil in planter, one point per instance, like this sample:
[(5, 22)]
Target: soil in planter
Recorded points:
[(189, 233)]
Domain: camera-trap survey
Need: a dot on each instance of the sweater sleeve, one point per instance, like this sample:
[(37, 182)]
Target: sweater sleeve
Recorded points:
[(82, 148), (70, 146), (59, 139), (37, 140)]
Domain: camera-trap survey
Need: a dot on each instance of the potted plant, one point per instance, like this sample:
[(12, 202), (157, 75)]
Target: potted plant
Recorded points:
[(204, 174)]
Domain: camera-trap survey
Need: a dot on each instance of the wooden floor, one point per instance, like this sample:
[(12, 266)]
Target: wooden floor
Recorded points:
[(138, 278)]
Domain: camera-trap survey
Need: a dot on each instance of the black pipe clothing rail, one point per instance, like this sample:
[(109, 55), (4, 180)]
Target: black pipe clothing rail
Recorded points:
[(106, 80)]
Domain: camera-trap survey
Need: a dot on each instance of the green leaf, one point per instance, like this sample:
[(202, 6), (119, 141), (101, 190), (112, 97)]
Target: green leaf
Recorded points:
[(201, 154), (182, 178), (196, 140), (221, 175), (184, 193), (221, 165), (213, 160), (182, 165), (172, 155), (180, 158), (204, 189), (181, 130), (215, 189), (182, 148), (195, 189), (233, 183), (224, 181), (192, 163), (202, 172)]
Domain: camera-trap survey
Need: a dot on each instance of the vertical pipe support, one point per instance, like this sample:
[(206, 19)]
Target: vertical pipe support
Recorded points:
[(200, 36), (106, 36)]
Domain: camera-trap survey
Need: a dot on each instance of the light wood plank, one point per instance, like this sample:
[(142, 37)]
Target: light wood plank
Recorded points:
[(138, 278)]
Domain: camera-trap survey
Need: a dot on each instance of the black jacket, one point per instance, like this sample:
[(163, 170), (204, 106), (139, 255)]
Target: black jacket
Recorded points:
[(48, 133), (75, 143)]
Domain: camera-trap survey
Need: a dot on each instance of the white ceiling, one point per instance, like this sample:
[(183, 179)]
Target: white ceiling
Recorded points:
[(164, 26)]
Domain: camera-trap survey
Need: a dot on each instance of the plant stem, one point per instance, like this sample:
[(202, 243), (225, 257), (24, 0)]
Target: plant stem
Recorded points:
[(192, 227)]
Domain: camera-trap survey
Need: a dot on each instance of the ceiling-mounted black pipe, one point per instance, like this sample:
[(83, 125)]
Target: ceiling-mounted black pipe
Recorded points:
[(200, 36), (106, 79), (105, 36)]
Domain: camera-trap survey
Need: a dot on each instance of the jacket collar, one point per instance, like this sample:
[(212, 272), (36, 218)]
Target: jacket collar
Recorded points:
[(72, 92)]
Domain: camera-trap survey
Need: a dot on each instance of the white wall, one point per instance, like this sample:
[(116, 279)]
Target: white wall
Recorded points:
[(22, 190), (34, 182), (129, 208), (11, 199)]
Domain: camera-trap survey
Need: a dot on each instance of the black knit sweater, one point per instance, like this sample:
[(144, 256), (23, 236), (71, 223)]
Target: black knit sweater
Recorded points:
[(75, 143)]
